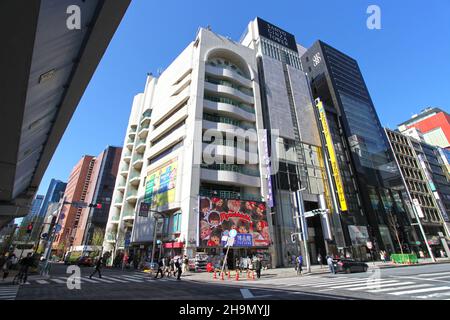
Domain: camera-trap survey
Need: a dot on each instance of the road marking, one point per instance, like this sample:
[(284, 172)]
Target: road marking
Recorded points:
[(246, 294), (400, 288), (58, 281), (419, 291), (359, 285), (432, 274), (114, 279), (103, 280), (132, 279), (339, 283), (9, 293), (89, 280), (381, 285), (42, 282), (421, 279), (435, 295)]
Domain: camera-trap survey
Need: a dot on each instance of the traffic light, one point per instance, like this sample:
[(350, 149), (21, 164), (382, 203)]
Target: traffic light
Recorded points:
[(30, 228)]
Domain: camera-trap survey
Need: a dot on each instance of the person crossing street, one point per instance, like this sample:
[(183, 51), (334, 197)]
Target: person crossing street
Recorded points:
[(98, 267)]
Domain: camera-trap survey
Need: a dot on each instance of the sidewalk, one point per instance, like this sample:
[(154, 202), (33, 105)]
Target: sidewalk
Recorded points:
[(290, 272)]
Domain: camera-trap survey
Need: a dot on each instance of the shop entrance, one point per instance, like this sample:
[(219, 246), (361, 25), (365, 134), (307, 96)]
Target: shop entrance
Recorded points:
[(316, 242)]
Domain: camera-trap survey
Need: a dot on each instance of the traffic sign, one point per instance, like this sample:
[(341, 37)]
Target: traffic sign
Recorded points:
[(58, 228), (233, 233)]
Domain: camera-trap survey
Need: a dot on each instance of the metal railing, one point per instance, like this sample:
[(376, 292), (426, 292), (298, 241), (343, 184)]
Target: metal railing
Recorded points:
[(231, 102)]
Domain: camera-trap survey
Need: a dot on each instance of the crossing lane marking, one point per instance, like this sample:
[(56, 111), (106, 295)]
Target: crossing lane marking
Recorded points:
[(419, 291), (359, 285), (103, 280), (321, 285), (114, 279), (381, 285), (433, 274), (42, 282), (401, 287), (132, 279), (89, 280), (59, 281)]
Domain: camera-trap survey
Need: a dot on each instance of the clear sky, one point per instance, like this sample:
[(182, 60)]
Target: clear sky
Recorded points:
[(405, 64)]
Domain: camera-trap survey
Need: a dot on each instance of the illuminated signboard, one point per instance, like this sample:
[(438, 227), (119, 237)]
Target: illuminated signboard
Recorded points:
[(332, 155)]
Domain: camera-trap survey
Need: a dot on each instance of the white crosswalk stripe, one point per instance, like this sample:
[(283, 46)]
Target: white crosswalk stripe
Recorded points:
[(8, 292), (59, 281), (410, 292), (397, 286), (433, 274)]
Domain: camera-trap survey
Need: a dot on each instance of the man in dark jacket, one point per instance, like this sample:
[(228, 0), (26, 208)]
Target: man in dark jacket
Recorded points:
[(98, 266), (178, 263), (160, 268), (258, 267)]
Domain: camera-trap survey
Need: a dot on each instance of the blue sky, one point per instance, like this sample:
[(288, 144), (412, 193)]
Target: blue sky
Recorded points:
[(405, 64)]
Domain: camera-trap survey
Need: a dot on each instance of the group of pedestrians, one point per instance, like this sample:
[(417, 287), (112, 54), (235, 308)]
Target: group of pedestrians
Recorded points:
[(10, 262), (246, 264), (172, 266)]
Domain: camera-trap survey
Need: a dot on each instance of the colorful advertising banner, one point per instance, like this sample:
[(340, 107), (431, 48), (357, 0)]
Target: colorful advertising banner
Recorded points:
[(160, 185), (218, 216), (332, 155)]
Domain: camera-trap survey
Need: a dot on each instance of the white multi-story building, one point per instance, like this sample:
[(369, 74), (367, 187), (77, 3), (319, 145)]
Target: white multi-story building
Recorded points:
[(211, 89)]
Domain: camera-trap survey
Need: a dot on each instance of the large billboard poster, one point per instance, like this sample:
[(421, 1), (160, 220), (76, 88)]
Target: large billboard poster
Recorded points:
[(160, 185), (218, 216)]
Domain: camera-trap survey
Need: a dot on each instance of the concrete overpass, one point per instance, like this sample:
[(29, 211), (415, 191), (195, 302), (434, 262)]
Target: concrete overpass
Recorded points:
[(45, 68)]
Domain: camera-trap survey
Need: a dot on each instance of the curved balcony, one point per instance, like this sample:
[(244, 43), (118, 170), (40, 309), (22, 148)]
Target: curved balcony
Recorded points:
[(121, 188), (226, 107), (138, 162), (115, 219), (146, 118), (124, 172), (229, 92), (118, 203), (143, 133), (110, 237), (134, 181), (230, 174), (140, 148), (131, 197), (127, 158), (128, 215), (228, 152), (228, 74)]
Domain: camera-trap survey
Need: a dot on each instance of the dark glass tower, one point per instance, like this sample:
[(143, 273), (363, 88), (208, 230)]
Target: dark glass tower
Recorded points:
[(375, 195)]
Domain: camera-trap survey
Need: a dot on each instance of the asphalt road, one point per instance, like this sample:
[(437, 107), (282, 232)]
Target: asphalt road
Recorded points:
[(415, 282)]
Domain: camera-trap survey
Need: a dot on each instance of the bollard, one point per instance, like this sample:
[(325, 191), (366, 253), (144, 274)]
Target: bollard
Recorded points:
[(229, 274), (215, 275), (253, 275), (221, 277), (237, 276)]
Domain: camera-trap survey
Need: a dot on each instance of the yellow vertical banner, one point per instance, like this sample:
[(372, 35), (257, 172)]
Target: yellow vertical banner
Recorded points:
[(332, 155)]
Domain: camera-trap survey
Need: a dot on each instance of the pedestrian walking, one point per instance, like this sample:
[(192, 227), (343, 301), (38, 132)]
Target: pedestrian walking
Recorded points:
[(258, 267), (97, 268), (383, 256), (7, 265), (25, 264), (300, 265), (330, 263), (160, 268), (319, 260), (185, 263), (178, 263)]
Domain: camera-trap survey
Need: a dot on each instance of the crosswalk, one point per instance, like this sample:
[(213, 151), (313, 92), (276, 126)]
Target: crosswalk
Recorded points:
[(421, 286), (105, 279), (8, 292)]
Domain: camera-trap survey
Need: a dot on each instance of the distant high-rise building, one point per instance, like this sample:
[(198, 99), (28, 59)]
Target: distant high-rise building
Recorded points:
[(31, 218), (372, 191), (434, 124), (427, 186), (76, 191), (54, 193), (101, 187)]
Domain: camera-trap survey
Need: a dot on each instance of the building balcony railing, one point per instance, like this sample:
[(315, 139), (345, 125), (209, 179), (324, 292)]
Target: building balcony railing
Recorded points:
[(241, 89), (140, 147), (110, 237), (233, 168), (115, 218), (227, 120), (230, 101), (230, 195)]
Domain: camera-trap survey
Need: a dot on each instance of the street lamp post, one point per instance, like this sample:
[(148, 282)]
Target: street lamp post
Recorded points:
[(301, 225)]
